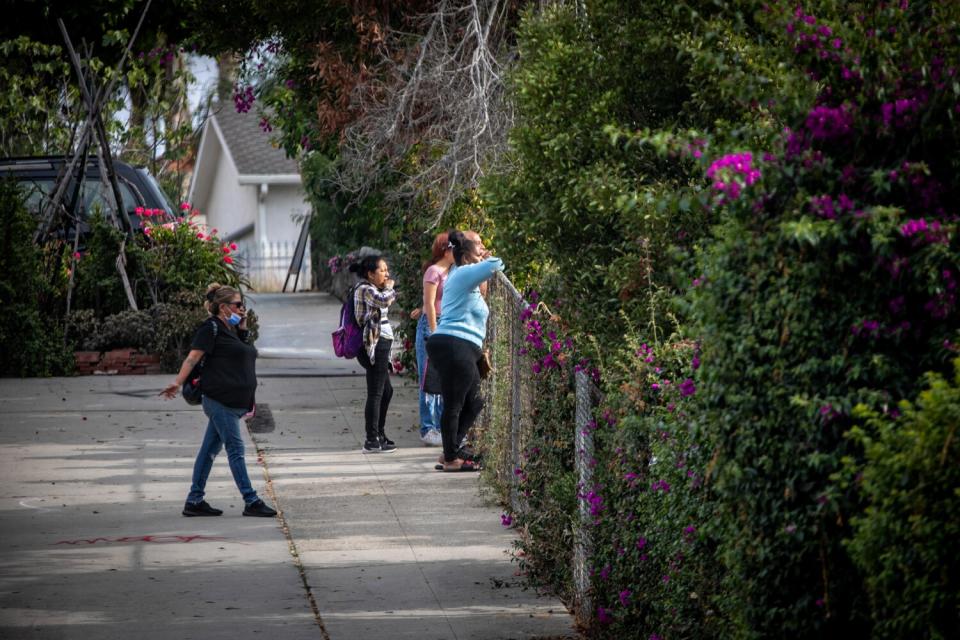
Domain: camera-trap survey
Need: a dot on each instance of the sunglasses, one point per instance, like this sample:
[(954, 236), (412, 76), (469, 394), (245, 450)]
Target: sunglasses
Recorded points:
[(238, 305)]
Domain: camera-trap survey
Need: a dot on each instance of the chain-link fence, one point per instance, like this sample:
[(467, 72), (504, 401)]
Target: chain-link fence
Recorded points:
[(507, 421)]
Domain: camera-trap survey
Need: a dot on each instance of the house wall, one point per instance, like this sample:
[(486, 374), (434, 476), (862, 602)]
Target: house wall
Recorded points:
[(283, 202), (267, 254), (231, 206)]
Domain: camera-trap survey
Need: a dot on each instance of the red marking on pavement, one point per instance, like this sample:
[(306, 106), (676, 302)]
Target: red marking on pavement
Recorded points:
[(158, 539)]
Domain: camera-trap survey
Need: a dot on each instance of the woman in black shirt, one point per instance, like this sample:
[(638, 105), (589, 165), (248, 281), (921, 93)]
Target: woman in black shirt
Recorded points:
[(228, 383)]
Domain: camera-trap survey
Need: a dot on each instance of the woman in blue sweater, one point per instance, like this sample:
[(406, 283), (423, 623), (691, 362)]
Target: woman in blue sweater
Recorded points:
[(455, 348)]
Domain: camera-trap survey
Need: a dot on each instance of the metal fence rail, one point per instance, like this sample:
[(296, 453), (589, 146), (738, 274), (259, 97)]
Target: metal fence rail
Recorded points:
[(507, 421)]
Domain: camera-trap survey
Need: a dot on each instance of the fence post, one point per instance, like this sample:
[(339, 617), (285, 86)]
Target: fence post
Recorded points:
[(584, 454), (516, 408)]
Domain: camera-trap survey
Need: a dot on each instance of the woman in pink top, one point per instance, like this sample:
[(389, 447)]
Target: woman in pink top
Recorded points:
[(434, 273)]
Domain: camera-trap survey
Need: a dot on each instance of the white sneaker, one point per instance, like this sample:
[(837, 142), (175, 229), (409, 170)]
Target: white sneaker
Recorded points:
[(431, 438)]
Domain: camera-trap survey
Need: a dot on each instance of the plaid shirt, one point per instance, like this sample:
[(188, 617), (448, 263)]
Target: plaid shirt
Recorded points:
[(367, 303)]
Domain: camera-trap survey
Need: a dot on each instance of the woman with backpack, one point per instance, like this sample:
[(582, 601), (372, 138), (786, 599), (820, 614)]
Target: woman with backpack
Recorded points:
[(372, 298), (434, 274), (229, 380), (455, 349)]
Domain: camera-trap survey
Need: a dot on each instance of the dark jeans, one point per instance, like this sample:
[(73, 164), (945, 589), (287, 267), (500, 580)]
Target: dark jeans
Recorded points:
[(456, 362), (223, 430), (379, 389)]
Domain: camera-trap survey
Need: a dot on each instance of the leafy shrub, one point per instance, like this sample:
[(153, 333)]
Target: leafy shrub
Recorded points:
[(546, 477), (829, 284), (97, 283), (129, 328), (83, 328), (655, 570), (31, 339), (903, 541), (179, 255)]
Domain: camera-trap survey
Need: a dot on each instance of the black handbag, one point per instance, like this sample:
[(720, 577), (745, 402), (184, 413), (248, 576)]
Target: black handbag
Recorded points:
[(191, 391), (431, 379)]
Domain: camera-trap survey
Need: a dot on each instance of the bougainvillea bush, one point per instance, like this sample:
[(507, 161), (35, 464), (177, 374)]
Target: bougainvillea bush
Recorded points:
[(654, 566), (830, 283), (826, 281)]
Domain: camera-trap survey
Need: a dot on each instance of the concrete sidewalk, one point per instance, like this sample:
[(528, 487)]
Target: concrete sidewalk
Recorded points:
[(94, 474)]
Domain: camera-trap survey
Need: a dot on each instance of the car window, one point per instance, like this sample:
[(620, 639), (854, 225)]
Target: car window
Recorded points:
[(99, 196), (35, 192), (155, 190)]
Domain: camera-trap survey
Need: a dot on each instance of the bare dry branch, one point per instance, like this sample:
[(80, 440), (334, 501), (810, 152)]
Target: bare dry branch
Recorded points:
[(434, 114)]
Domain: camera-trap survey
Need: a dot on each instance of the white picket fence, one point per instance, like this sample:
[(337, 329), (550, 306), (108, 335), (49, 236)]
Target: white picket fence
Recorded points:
[(265, 265)]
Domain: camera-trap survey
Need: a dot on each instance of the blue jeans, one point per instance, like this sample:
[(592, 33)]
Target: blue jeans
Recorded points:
[(431, 405), (223, 430)]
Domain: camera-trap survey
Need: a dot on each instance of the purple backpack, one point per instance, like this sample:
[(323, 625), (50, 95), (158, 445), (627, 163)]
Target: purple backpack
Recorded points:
[(348, 338)]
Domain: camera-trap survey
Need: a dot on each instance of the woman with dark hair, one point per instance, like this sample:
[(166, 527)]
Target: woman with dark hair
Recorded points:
[(455, 349), (372, 298), (434, 274), (229, 381)]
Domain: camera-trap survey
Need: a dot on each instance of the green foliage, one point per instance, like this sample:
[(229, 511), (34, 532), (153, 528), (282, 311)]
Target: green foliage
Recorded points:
[(30, 337), (179, 256), (97, 283), (903, 540), (546, 477), (826, 280), (32, 83), (655, 569), (829, 283)]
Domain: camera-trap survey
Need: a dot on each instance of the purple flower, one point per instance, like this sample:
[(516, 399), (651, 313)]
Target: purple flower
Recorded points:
[(730, 173), (660, 485), (605, 572), (825, 123), (603, 615), (687, 388), (641, 542), (625, 597), (506, 519)]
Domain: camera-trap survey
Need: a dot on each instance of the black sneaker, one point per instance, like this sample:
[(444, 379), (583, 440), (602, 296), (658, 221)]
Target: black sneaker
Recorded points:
[(200, 509), (370, 446), (259, 509), (387, 445)]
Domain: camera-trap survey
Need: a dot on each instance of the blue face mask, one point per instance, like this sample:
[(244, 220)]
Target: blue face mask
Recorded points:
[(234, 319)]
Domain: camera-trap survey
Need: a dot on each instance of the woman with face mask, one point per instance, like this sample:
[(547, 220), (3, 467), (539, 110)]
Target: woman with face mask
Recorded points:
[(229, 381)]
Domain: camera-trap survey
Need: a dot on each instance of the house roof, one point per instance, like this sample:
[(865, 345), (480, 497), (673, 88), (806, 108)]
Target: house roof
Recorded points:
[(250, 147)]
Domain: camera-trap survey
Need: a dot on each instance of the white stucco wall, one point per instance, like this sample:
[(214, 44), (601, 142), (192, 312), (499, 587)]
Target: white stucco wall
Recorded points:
[(231, 205), (283, 202)]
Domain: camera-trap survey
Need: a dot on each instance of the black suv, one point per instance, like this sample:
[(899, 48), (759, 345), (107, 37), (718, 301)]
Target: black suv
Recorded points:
[(37, 177)]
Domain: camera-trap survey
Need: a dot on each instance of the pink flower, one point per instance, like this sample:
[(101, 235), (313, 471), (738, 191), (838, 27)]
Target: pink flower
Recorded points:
[(228, 259), (226, 249), (233, 246), (185, 206), (200, 236), (138, 211), (76, 255)]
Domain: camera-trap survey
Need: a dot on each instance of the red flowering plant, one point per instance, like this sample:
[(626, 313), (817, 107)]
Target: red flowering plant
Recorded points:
[(181, 254)]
